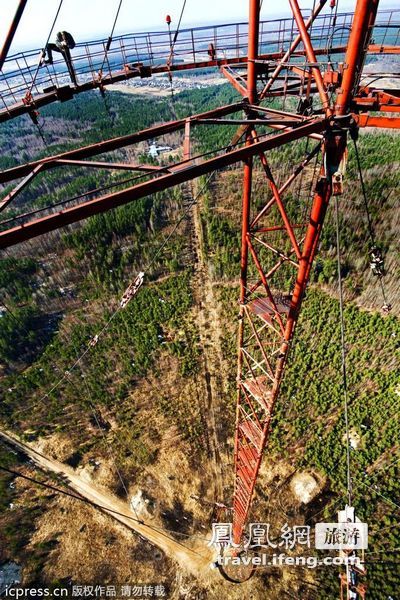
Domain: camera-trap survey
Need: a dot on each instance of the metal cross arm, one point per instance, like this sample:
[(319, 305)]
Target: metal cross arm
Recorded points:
[(183, 173)]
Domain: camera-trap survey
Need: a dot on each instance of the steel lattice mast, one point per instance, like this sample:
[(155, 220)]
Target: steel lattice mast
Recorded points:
[(267, 319)]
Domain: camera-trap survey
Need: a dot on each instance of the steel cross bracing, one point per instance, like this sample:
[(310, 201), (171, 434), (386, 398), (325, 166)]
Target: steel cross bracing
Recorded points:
[(279, 239)]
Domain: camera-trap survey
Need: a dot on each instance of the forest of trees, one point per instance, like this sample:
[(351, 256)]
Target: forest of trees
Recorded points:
[(58, 293)]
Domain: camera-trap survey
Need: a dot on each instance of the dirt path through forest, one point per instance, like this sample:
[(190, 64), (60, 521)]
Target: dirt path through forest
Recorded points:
[(192, 555), (208, 322)]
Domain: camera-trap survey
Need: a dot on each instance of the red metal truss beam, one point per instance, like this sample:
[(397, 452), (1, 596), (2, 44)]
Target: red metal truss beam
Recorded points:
[(181, 174), (365, 120), (113, 144), (253, 424), (75, 163), (377, 100), (18, 189), (255, 108), (92, 164), (235, 80), (299, 71), (280, 120), (263, 349), (284, 121), (360, 35), (258, 389), (292, 49), (252, 54), (11, 32), (274, 111), (291, 89), (311, 56), (287, 184), (279, 203), (376, 49), (240, 509)]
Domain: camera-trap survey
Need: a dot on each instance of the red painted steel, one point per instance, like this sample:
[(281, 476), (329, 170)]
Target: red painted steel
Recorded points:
[(263, 349), (182, 173), (113, 144), (21, 186), (11, 32), (292, 49), (384, 49), (369, 98), (234, 80), (363, 22), (241, 484), (311, 56), (257, 392), (382, 122)]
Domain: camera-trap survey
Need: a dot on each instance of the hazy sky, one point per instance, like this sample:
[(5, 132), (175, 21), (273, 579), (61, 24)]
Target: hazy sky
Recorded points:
[(87, 19)]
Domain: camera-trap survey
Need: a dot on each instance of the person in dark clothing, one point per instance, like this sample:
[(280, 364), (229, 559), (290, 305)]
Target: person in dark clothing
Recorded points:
[(64, 44)]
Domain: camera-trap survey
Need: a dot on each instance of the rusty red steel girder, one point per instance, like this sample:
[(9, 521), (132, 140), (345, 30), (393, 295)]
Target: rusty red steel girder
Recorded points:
[(290, 52), (12, 30), (267, 317), (260, 370), (362, 26), (176, 175), (114, 143)]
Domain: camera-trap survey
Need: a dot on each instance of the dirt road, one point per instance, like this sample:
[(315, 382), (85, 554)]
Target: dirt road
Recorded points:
[(208, 323), (192, 555)]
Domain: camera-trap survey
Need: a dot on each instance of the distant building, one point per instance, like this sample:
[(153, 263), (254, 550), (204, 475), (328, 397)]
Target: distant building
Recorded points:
[(154, 150)]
